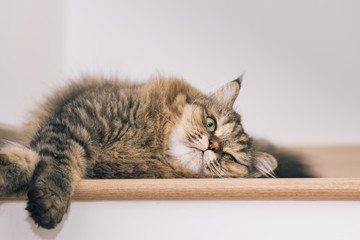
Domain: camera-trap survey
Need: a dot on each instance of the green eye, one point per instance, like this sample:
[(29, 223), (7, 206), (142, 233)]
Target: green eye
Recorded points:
[(229, 157), (211, 124)]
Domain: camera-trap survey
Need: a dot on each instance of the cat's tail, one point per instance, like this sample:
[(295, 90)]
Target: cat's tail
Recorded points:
[(17, 162), (290, 164)]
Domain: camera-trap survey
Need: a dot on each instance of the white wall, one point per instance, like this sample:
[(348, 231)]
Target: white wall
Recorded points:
[(30, 54), (302, 87), (193, 220), (301, 58)]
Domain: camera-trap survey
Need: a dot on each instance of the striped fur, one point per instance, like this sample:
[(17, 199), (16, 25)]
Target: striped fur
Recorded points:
[(105, 128)]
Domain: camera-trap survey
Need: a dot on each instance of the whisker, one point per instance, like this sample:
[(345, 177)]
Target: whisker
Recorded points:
[(224, 170), (216, 168), (213, 171), (269, 174), (222, 173), (164, 116)]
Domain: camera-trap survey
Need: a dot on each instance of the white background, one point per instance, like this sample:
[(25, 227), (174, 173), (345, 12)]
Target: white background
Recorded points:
[(301, 60), (193, 220)]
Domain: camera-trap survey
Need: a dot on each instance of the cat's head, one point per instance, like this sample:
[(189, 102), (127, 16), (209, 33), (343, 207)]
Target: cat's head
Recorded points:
[(209, 138)]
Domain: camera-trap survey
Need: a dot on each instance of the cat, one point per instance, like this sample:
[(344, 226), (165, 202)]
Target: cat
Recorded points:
[(113, 129)]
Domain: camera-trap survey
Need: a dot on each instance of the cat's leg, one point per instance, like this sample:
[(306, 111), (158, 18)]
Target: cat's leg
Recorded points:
[(17, 165), (62, 164)]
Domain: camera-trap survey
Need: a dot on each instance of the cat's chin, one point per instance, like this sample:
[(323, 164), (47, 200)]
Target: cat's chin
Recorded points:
[(192, 159), (187, 155), (197, 154)]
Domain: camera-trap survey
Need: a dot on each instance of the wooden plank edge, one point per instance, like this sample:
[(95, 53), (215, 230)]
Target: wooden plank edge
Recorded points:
[(215, 189)]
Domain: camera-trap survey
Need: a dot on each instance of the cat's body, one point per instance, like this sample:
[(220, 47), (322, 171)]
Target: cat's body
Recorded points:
[(98, 128)]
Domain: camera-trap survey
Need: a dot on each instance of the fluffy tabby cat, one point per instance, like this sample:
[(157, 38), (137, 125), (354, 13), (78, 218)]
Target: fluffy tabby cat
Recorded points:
[(98, 128)]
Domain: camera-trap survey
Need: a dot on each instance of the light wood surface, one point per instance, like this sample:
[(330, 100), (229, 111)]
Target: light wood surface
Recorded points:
[(217, 189)]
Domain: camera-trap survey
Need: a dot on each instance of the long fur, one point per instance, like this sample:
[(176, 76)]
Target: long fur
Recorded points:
[(107, 128)]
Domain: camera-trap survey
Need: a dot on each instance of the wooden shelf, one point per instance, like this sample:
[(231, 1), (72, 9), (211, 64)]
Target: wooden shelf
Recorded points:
[(216, 189)]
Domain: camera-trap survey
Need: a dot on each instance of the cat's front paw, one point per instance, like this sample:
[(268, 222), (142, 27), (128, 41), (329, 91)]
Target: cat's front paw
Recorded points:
[(10, 175), (46, 206)]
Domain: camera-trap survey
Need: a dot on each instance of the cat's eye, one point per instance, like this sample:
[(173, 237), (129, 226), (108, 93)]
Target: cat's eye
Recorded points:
[(211, 124), (229, 157)]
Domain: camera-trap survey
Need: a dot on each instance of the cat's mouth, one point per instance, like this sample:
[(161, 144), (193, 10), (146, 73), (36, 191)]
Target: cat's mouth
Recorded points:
[(206, 155), (198, 150), (205, 158)]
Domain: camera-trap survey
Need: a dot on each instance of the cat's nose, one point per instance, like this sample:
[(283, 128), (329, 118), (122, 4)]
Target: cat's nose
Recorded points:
[(213, 145)]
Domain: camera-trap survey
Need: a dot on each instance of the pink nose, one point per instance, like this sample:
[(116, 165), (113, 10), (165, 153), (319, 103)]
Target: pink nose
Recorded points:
[(213, 145)]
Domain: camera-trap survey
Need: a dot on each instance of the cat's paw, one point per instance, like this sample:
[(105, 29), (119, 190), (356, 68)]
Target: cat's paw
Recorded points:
[(46, 205), (11, 178), (17, 164)]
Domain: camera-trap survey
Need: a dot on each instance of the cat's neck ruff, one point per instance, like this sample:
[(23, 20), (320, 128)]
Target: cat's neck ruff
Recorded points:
[(187, 156)]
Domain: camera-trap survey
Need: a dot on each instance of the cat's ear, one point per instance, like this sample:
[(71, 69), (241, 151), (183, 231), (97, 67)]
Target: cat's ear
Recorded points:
[(264, 165), (227, 94)]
